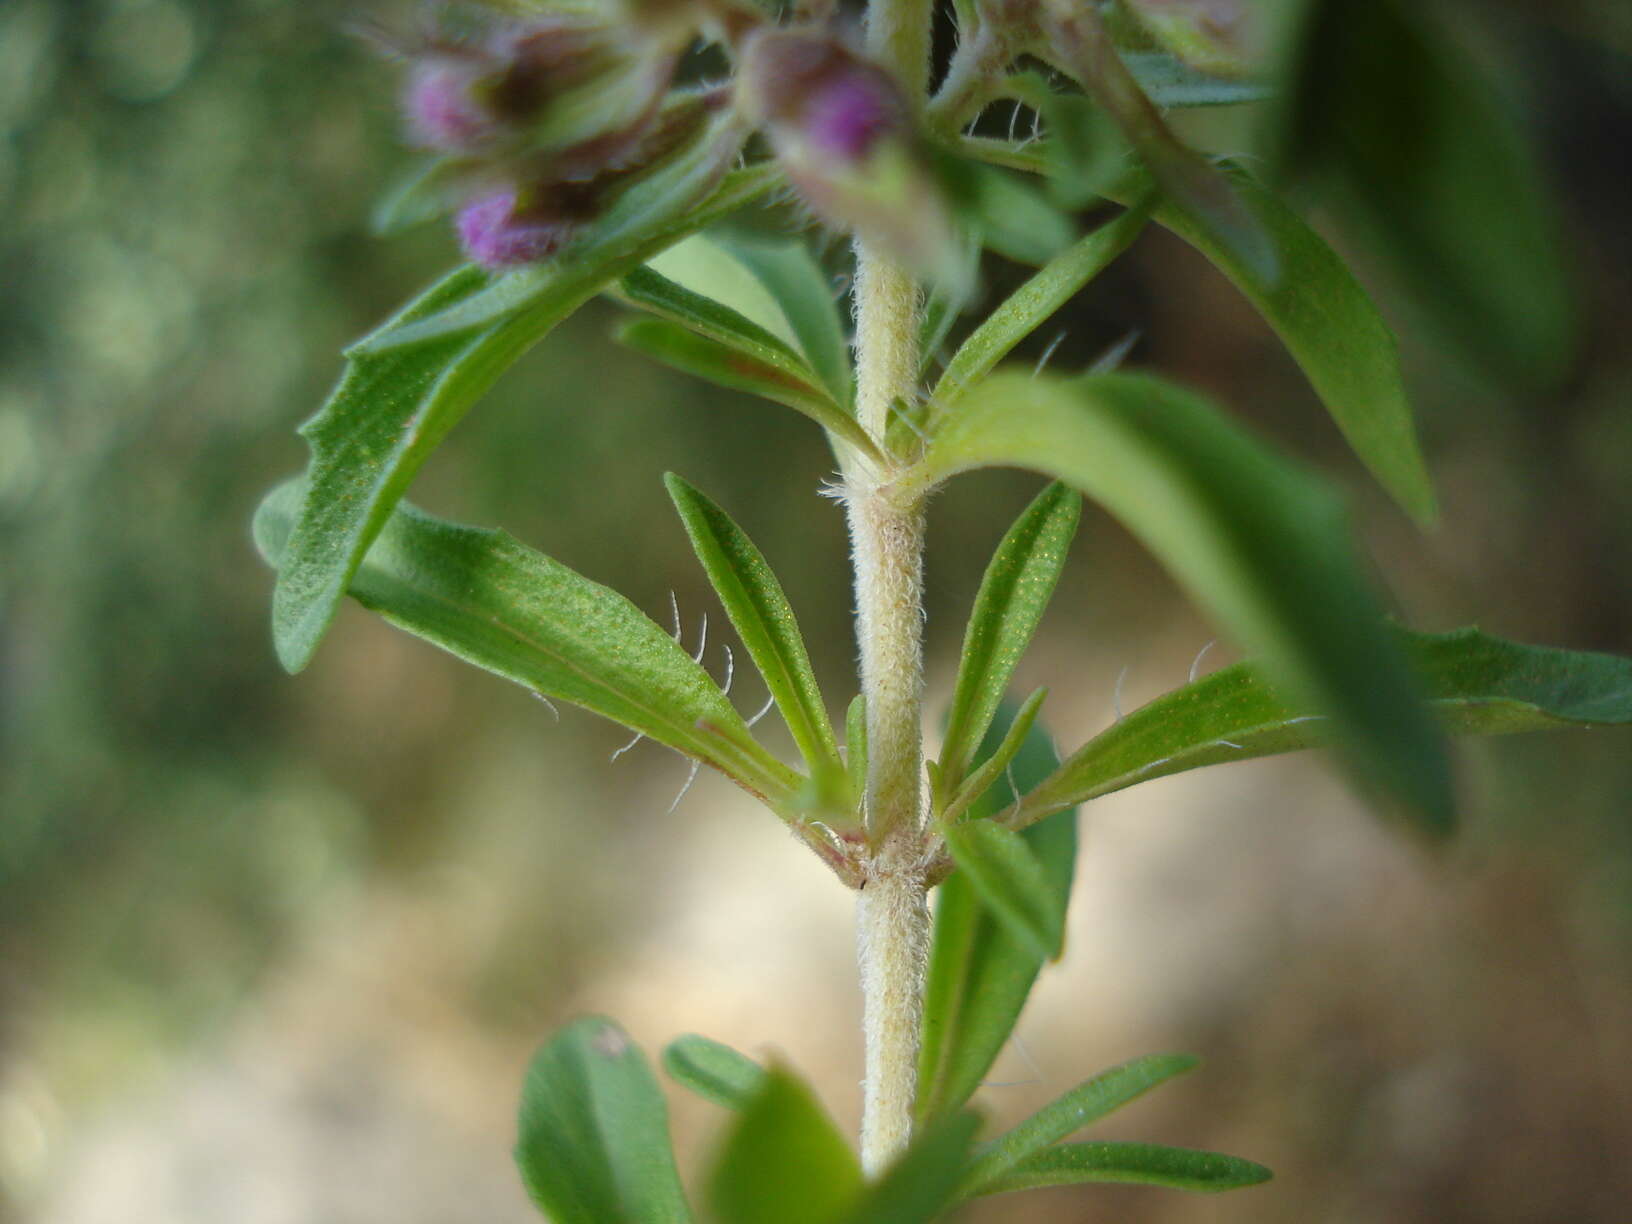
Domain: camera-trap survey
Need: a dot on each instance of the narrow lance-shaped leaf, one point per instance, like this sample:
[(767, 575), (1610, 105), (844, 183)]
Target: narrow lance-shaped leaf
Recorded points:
[(1086, 1103), (515, 612), (783, 1161), (1013, 594), (980, 974), (855, 746), (594, 1132), (713, 1071), (393, 407), (1028, 307), (760, 613), (1320, 311), (1252, 537), (1474, 683), (982, 779), (684, 350), (1140, 1164), (1011, 881), (791, 275)]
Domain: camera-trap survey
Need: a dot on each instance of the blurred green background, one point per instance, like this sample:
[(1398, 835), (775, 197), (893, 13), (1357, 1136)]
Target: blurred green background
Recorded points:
[(277, 949)]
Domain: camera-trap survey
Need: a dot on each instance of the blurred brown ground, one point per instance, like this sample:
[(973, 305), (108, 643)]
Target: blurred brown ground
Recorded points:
[(276, 950)]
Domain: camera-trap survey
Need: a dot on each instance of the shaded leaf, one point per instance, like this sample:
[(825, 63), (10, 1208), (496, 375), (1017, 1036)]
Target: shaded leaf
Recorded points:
[(1144, 1164), (1014, 592), (713, 1071), (1087, 1102), (1262, 544), (594, 1132), (395, 406), (759, 612), (783, 1161), (1011, 881), (1476, 684), (982, 779), (855, 746), (920, 1182), (724, 366), (806, 297), (1172, 84), (980, 975), (514, 612)]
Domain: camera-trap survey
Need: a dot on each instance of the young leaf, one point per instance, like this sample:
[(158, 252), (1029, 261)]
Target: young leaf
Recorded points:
[(684, 350), (1144, 1164), (395, 406), (982, 779), (1012, 883), (1028, 307), (1087, 1102), (979, 974), (759, 612), (1263, 545), (516, 613), (915, 1188), (713, 1071), (783, 1161), (1429, 164), (1333, 331), (1476, 684), (594, 1132), (855, 746), (1013, 594), (714, 320), (1173, 85), (791, 275), (1008, 214)]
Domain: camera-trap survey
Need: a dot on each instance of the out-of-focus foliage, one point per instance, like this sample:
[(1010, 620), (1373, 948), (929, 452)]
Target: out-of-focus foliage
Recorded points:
[(185, 187)]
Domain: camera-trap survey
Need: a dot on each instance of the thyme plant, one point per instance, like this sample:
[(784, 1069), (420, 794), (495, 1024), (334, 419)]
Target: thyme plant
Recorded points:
[(605, 147)]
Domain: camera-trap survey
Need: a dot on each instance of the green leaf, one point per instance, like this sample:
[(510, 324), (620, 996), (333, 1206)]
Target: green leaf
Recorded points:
[(713, 1071), (1143, 1164), (1476, 684), (1430, 165), (724, 366), (427, 191), (514, 612), (981, 780), (783, 1161), (1087, 1102), (1335, 334), (1253, 538), (1173, 85), (594, 1132), (759, 612), (921, 1182), (792, 276), (1030, 306), (705, 265), (855, 746), (1016, 588), (979, 974), (1009, 215), (1011, 881), (395, 406)]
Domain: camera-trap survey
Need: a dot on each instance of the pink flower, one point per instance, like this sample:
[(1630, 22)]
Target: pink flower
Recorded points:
[(497, 234)]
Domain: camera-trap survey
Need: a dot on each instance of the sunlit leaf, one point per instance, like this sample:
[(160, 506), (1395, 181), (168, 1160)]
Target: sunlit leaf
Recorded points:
[(594, 1132), (514, 612), (1143, 1164), (759, 612), (713, 1071), (1086, 1103), (1253, 538), (783, 1160), (394, 406), (806, 297), (1014, 592), (982, 779), (1474, 683), (979, 974)]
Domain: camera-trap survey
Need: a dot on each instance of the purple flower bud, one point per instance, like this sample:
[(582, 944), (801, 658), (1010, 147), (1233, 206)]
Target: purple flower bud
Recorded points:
[(848, 115), (443, 108), (497, 234)]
